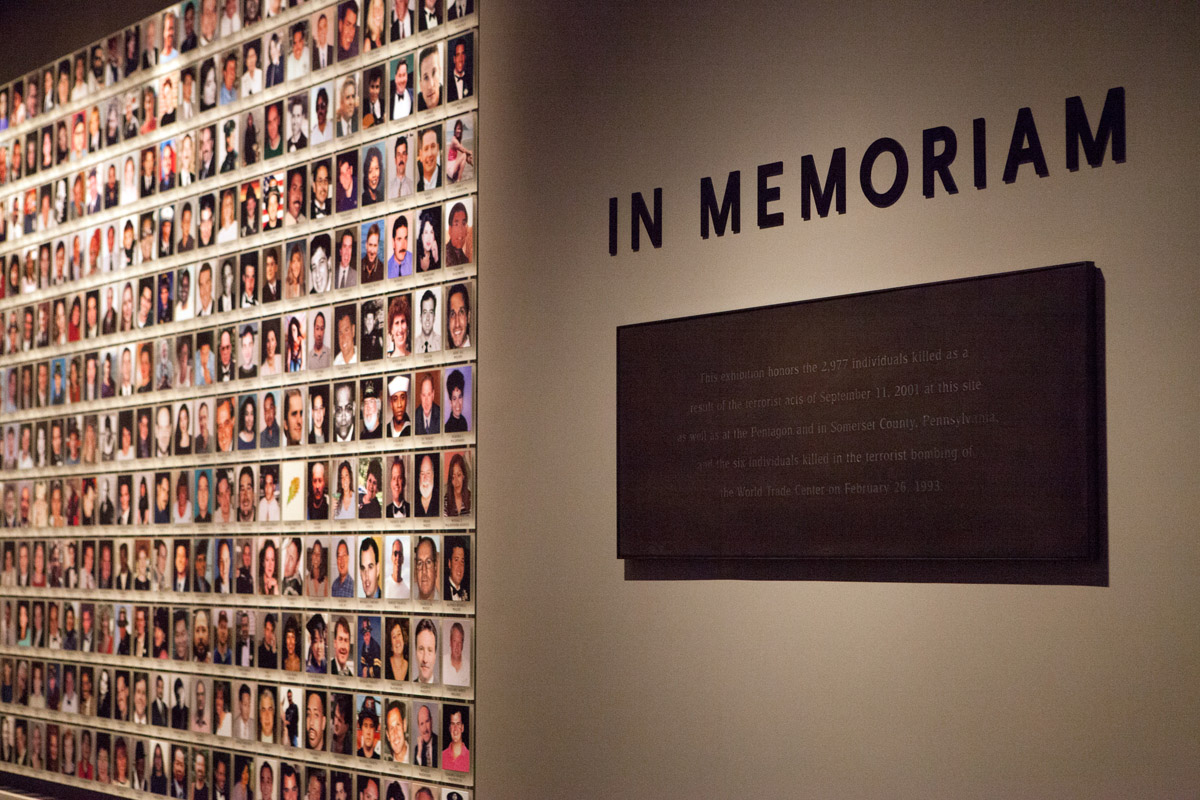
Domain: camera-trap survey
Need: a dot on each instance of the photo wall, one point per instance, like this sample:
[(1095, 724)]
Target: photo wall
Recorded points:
[(237, 354)]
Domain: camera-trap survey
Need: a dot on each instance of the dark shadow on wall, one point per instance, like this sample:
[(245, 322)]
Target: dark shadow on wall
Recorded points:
[(33, 31)]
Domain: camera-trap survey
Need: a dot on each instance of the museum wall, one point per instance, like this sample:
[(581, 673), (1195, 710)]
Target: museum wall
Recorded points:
[(594, 686)]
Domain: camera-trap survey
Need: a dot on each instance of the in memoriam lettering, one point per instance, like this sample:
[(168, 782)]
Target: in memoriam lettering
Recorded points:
[(939, 150)]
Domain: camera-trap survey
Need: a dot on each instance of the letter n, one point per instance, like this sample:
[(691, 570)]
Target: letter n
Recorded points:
[(639, 215)]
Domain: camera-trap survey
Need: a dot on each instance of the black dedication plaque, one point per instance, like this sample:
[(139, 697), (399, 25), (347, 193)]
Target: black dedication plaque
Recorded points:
[(945, 432)]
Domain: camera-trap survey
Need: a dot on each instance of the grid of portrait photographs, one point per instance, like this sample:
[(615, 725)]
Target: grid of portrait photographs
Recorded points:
[(238, 318)]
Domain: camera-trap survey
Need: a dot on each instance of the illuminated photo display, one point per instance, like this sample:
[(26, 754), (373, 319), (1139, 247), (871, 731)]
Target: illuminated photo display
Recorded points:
[(238, 318)]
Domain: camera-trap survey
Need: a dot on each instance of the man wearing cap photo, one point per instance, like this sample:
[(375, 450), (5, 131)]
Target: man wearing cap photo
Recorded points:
[(400, 424), (370, 661), (368, 730), (372, 427)]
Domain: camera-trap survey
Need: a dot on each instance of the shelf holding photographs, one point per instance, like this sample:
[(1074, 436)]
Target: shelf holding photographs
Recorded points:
[(238, 319)]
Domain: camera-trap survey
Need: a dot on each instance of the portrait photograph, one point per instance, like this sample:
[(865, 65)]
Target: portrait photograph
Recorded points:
[(182, 441), (273, 208), (322, 27), (268, 584), (346, 328), (456, 736), (297, 59), (199, 721), (202, 574), (371, 334), (428, 337), (202, 439), (125, 450), (374, 175), (368, 708), (398, 231), (227, 222), (456, 586), (244, 578), (270, 357), (247, 436), (400, 85), (269, 434), (253, 74), (318, 416), (349, 13), (316, 567), (250, 203), (426, 635), (295, 198), (269, 493), (164, 308), (229, 144), (168, 99), (321, 181), (427, 494), (78, 132), (205, 357), (457, 399), (429, 239), (229, 87), (460, 245), (429, 158), (374, 100), (374, 25), (166, 232), (457, 471), (202, 514), (321, 113), (316, 704), (397, 584), (295, 342), (209, 86), (222, 716), (460, 81), (346, 190), (130, 191), (370, 505), (148, 172), (429, 76), (144, 373), (150, 43), (113, 111), (183, 309), (206, 223), (224, 418), (346, 113), (342, 661), (184, 361), (345, 500), (244, 712), (164, 363), (187, 93), (291, 699), (227, 285), (185, 224), (273, 130)]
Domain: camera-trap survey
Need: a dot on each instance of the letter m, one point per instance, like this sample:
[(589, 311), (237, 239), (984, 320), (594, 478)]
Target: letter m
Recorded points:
[(834, 191), (1111, 126), (731, 205)]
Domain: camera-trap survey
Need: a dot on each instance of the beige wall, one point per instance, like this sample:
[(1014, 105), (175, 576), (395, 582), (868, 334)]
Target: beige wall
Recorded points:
[(591, 686)]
